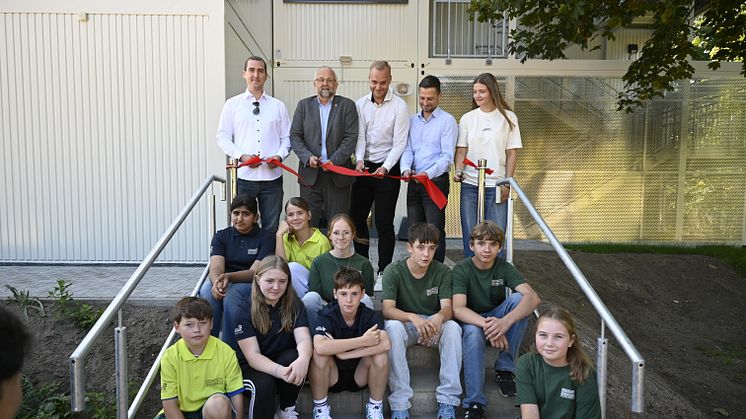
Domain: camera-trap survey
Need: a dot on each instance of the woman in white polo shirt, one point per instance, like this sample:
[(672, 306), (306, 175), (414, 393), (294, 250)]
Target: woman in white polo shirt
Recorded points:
[(489, 131)]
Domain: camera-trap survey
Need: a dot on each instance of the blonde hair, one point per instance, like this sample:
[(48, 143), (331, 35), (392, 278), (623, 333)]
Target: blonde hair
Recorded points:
[(287, 303), (580, 364)]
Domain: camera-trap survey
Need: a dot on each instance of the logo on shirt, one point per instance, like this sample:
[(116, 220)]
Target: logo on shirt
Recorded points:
[(321, 329), (214, 381), (238, 329), (432, 291), (253, 251), (567, 393), (498, 282)]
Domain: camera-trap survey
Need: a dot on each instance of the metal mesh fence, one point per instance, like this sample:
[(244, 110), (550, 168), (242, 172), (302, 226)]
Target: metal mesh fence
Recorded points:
[(671, 172)]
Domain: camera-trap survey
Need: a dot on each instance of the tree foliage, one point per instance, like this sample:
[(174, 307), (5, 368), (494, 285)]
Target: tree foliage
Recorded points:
[(683, 31)]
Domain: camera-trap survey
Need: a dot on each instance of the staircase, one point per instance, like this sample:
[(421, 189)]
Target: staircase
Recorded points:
[(423, 367)]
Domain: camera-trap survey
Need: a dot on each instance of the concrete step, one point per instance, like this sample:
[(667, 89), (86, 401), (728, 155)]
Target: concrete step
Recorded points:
[(424, 368)]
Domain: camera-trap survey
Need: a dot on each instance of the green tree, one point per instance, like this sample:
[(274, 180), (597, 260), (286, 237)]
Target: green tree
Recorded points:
[(683, 30)]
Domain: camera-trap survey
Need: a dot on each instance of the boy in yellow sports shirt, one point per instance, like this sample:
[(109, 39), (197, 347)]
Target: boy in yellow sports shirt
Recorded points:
[(200, 377)]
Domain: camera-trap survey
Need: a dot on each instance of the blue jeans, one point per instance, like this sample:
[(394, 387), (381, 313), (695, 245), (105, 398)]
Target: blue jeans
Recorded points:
[(492, 211), (224, 311), (404, 335), (475, 346), (269, 194)]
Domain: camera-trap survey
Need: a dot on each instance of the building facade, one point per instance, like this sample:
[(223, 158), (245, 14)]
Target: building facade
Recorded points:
[(108, 115)]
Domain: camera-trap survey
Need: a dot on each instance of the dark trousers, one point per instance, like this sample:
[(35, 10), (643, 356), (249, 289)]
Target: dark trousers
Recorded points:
[(265, 387), (384, 192), (325, 199), (269, 194), (422, 209)]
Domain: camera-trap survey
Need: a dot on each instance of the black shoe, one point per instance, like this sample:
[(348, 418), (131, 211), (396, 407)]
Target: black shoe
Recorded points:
[(505, 382), (475, 411)]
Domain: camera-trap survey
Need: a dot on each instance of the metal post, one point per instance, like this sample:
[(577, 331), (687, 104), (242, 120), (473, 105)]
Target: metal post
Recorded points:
[(601, 371), (77, 385), (120, 359), (638, 378), (481, 166), (213, 222), (232, 185), (509, 227)]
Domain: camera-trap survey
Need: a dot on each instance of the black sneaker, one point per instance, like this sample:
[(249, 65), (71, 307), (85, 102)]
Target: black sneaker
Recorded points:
[(505, 382), (475, 411)]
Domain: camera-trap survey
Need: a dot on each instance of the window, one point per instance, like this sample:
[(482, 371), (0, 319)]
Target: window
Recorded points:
[(455, 36)]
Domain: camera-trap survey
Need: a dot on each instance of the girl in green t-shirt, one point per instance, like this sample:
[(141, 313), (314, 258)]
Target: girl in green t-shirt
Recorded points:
[(557, 382)]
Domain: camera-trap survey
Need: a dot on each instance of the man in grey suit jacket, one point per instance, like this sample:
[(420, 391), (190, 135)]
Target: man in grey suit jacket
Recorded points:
[(324, 129)]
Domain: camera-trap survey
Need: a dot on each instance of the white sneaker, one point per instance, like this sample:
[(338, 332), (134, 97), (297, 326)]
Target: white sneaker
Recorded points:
[(378, 286), (373, 411), (288, 413), (323, 412)]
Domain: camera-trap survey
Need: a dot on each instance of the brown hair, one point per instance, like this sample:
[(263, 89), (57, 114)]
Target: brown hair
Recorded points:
[(287, 304), (423, 233), (347, 277), (255, 58), (580, 364), (301, 203), (346, 218), (490, 81), (192, 307), (487, 230)]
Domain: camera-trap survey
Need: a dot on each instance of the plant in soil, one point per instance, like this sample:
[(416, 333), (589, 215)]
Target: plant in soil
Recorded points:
[(82, 315), (22, 298)]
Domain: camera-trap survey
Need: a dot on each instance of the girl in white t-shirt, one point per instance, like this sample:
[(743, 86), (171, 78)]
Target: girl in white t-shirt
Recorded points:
[(489, 131)]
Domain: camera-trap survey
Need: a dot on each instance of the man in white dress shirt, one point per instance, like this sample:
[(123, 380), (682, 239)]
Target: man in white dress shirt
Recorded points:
[(384, 127), (254, 123)]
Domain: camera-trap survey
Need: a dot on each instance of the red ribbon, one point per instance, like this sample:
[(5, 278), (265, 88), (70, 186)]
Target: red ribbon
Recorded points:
[(432, 190), (471, 163), (256, 159)]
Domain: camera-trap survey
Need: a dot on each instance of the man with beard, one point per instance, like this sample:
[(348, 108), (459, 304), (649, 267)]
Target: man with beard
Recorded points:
[(429, 152), (324, 129)]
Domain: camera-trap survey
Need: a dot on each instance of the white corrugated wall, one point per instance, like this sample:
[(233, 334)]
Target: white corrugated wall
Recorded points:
[(106, 125)]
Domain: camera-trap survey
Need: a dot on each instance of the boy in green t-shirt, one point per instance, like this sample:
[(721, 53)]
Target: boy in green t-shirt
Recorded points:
[(417, 306), (487, 316), (200, 377)]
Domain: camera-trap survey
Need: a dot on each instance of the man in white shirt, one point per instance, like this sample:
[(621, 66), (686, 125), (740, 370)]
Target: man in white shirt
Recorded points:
[(254, 123), (384, 127)]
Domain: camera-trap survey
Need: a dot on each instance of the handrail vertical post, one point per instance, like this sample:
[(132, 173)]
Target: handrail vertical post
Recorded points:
[(213, 217), (232, 184), (120, 355), (77, 385), (481, 167), (601, 371), (638, 378), (509, 227)]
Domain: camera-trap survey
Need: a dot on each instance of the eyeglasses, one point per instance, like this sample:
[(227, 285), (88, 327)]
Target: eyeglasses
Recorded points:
[(324, 81), (256, 109)]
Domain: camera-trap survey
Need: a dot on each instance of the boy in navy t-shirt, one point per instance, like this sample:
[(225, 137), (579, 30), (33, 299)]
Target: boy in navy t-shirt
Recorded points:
[(350, 348)]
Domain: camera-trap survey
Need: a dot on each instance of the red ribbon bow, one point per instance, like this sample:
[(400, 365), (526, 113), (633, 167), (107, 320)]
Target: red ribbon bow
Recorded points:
[(256, 159), (471, 163), (432, 190)]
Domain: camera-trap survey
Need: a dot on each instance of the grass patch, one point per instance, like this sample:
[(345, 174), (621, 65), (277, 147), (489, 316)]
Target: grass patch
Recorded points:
[(734, 256)]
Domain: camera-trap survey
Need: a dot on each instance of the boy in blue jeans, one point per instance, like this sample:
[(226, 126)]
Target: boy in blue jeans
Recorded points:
[(200, 377), (487, 317)]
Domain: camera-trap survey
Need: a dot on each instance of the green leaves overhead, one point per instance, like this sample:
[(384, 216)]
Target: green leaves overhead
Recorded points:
[(682, 31)]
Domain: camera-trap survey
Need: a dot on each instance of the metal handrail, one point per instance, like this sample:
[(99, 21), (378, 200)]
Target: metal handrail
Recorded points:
[(77, 359), (608, 320), (150, 377)]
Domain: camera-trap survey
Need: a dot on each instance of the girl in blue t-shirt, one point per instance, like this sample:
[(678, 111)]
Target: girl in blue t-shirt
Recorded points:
[(274, 340), (558, 381)]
